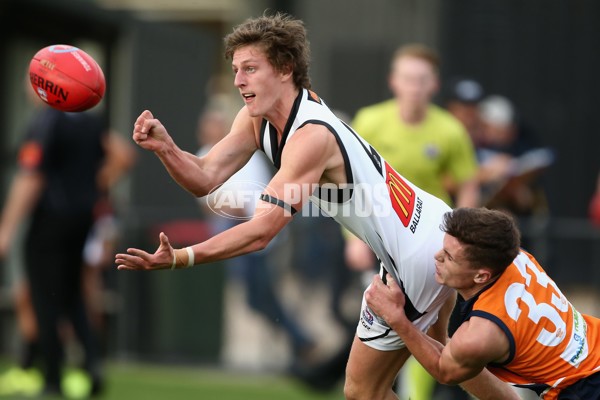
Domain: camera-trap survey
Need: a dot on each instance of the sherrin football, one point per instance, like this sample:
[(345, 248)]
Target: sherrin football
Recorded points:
[(67, 78)]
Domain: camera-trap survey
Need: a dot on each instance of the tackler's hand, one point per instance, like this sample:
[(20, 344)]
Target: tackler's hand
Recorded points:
[(386, 300)]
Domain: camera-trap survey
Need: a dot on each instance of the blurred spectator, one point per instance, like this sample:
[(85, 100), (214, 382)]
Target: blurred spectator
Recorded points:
[(461, 99), (594, 207), (419, 139), (63, 171), (120, 157), (511, 160), (234, 202)]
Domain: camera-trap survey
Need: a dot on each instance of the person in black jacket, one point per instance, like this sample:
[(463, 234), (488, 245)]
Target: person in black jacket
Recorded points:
[(62, 174)]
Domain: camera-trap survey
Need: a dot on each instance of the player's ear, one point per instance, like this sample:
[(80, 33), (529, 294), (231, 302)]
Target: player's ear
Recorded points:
[(482, 276), (287, 72)]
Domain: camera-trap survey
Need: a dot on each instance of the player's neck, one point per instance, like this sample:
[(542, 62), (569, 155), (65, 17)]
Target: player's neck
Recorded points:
[(279, 114), (474, 290), (469, 293), (412, 114)]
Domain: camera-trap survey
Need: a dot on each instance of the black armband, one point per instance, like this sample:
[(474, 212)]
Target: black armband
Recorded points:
[(274, 200)]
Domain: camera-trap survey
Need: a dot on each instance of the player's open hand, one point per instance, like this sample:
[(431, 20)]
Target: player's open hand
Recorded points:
[(137, 259), (149, 133), (386, 300)]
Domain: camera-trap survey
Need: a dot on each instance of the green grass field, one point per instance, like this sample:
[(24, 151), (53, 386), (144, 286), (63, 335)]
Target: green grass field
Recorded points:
[(158, 382), (154, 382)]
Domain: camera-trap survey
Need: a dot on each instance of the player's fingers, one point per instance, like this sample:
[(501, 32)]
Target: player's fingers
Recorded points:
[(144, 116), (377, 280), (138, 260), (124, 263), (138, 253), (147, 125), (132, 262), (395, 289), (164, 240), (137, 127), (391, 282), (139, 137), (138, 134), (127, 259)]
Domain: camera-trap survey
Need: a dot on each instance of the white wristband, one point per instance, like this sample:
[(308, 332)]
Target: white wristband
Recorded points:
[(174, 260), (190, 256)]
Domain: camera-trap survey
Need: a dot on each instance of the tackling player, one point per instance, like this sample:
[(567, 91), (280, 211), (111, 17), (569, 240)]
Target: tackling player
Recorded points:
[(511, 317)]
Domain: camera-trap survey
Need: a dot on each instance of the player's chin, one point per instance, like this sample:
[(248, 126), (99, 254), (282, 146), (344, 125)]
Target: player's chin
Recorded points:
[(253, 110)]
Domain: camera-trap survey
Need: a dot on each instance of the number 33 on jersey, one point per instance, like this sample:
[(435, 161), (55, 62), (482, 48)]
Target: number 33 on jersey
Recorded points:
[(548, 337)]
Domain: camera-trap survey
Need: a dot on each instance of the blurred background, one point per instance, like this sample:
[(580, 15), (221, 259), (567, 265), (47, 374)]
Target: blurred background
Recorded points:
[(166, 56)]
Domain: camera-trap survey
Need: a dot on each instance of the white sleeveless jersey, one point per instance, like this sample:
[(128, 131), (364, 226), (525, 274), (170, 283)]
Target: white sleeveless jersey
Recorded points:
[(399, 221)]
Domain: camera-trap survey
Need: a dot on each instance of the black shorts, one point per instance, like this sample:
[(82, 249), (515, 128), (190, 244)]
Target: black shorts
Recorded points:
[(584, 389)]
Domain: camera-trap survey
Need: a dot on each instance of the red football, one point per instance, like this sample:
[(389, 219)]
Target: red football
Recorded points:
[(67, 78)]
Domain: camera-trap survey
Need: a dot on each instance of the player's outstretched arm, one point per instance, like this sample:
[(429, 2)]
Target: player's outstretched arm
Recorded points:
[(303, 164), (247, 237)]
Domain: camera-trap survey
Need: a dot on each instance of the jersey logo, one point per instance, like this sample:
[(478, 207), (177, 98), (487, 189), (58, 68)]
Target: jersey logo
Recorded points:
[(401, 195)]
